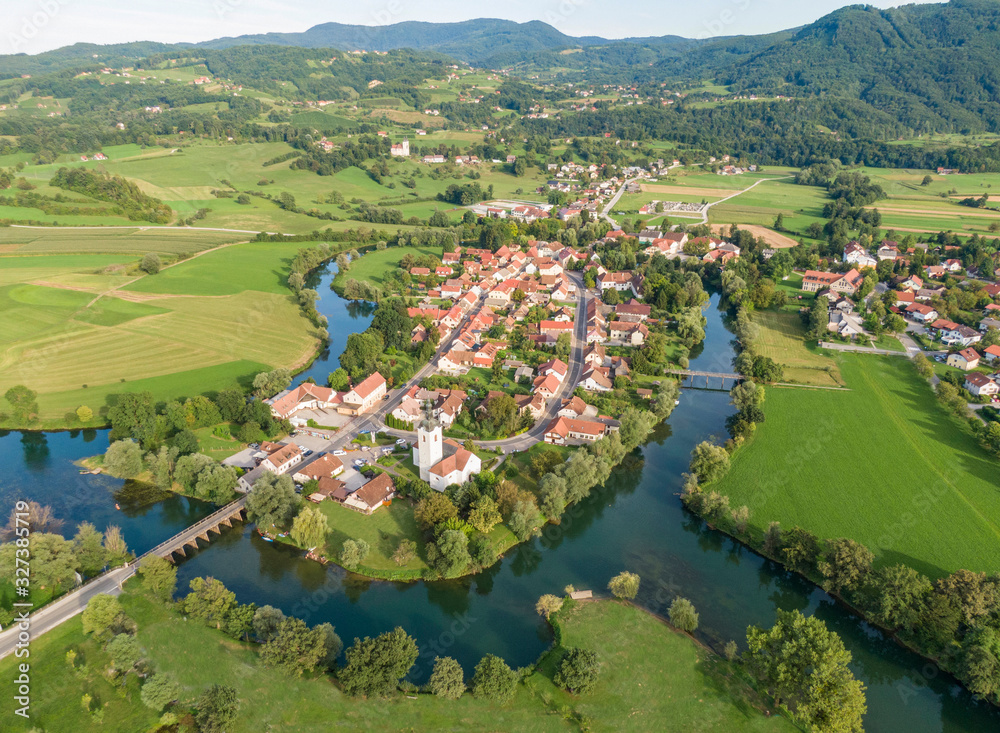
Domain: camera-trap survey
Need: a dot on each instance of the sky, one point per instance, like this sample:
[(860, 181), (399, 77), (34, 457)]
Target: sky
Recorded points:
[(33, 26)]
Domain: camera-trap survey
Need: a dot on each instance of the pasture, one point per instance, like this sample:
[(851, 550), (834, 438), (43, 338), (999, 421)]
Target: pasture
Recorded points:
[(782, 338), (882, 464)]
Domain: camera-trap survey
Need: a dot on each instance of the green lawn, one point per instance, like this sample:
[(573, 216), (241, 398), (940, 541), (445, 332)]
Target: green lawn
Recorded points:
[(650, 674), (883, 464), (633, 693), (382, 530), (782, 337), (373, 266)]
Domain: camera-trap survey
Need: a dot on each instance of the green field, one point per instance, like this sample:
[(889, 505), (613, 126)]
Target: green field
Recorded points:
[(782, 338), (383, 531), (633, 693), (373, 266), (166, 242), (207, 323), (883, 464)]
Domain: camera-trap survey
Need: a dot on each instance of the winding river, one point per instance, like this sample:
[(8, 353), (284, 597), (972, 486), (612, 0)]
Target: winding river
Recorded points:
[(636, 522)]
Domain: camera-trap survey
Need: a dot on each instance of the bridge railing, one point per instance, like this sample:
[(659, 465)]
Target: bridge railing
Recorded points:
[(207, 522)]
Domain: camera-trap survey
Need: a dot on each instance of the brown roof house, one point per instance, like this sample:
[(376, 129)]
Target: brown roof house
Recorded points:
[(372, 495)]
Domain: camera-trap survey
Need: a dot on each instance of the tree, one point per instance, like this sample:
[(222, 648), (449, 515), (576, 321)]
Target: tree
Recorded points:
[(624, 585), (927, 180), (268, 384), (664, 402), (123, 459), (450, 554), (353, 553), (159, 576), (552, 495), (846, 565), (150, 263), (522, 519), (484, 514), (332, 645), (548, 605), (800, 549), (805, 666), (447, 680), (979, 664), (746, 395), (102, 614), (186, 442), (898, 593), (494, 680), (310, 528), (159, 691), (405, 551), (216, 483), (709, 462), (339, 380), (239, 621), (295, 648), (23, 400), (578, 670), (133, 416), (84, 413), (216, 709), (90, 553), (209, 600), (434, 509), (272, 500), (975, 593), (266, 621), (374, 667), (124, 652), (683, 615), (563, 344)]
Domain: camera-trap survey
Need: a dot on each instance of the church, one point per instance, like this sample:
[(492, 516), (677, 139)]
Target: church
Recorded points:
[(442, 462)]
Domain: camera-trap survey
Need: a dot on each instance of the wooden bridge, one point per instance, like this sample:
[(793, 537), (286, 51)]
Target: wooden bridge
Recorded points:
[(722, 376), (199, 531)]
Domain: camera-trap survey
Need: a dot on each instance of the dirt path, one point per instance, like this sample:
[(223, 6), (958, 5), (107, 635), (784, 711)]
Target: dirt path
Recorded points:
[(780, 241)]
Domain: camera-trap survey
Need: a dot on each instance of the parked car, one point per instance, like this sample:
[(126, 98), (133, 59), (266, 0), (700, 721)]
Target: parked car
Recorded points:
[(401, 441), (255, 446)]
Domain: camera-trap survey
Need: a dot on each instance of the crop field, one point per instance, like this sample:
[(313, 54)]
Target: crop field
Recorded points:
[(782, 337), (165, 242), (882, 464), (208, 323), (800, 205)]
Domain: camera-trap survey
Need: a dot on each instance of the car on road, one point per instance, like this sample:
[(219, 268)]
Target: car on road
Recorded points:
[(308, 453), (401, 441), (340, 453)]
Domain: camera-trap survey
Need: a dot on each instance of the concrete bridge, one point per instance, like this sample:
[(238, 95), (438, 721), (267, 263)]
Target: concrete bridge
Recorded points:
[(65, 607), (722, 376)]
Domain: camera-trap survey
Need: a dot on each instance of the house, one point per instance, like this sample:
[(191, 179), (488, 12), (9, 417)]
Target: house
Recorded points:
[(952, 265), (848, 325), (546, 386), (921, 313), (408, 411), (992, 354), (980, 385), (574, 407), (966, 359), (442, 462), (632, 334), (401, 150), (987, 323), (847, 282), (364, 396), (307, 396), (533, 404), (281, 457), (329, 488), (960, 335), (597, 379), (327, 465), (567, 430), (556, 367), (888, 251), (855, 254), (245, 482), (620, 281), (633, 311), (380, 490)]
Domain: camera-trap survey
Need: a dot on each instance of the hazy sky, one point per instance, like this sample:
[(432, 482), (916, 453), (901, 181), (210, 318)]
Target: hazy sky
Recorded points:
[(32, 26)]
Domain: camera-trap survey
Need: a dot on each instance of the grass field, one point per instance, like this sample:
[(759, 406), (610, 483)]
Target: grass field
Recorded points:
[(882, 464), (373, 266), (383, 532), (782, 337), (698, 691), (166, 242), (208, 323)]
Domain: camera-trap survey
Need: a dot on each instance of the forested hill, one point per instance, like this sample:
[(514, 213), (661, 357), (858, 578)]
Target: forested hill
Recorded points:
[(474, 41), (920, 63)]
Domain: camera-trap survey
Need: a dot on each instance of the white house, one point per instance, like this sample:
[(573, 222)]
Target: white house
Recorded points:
[(363, 396), (981, 385)]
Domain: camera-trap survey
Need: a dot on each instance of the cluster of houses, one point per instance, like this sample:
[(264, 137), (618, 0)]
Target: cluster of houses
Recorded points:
[(308, 400)]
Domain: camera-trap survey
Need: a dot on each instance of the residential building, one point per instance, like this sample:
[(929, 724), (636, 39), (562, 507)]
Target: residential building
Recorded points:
[(377, 492), (848, 282), (966, 359), (980, 385), (855, 254), (567, 430), (921, 313), (327, 465), (364, 396)]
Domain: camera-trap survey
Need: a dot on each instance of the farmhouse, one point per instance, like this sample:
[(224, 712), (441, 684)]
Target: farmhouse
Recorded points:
[(306, 396), (633, 311), (847, 282), (966, 359), (364, 396)]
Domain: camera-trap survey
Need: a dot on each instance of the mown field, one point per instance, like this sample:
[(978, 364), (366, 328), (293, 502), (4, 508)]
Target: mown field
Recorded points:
[(883, 464), (633, 693), (77, 332), (782, 338)]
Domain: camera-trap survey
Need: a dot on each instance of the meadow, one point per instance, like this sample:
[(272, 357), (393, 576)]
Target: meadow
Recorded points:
[(77, 334), (882, 464), (782, 338), (632, 693)]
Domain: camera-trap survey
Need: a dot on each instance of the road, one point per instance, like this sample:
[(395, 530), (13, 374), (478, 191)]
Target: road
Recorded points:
[(110, 583), (708, 208)]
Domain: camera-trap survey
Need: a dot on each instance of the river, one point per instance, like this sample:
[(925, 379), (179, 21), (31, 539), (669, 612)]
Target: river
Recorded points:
[(636, 522)]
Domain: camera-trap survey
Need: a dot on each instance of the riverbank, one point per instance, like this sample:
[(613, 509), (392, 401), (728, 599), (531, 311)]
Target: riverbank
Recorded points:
[(632, 692)]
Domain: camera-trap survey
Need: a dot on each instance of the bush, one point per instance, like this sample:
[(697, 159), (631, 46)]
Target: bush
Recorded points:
[(447, 680), (494, 680), (625, 585), (683, 615)]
